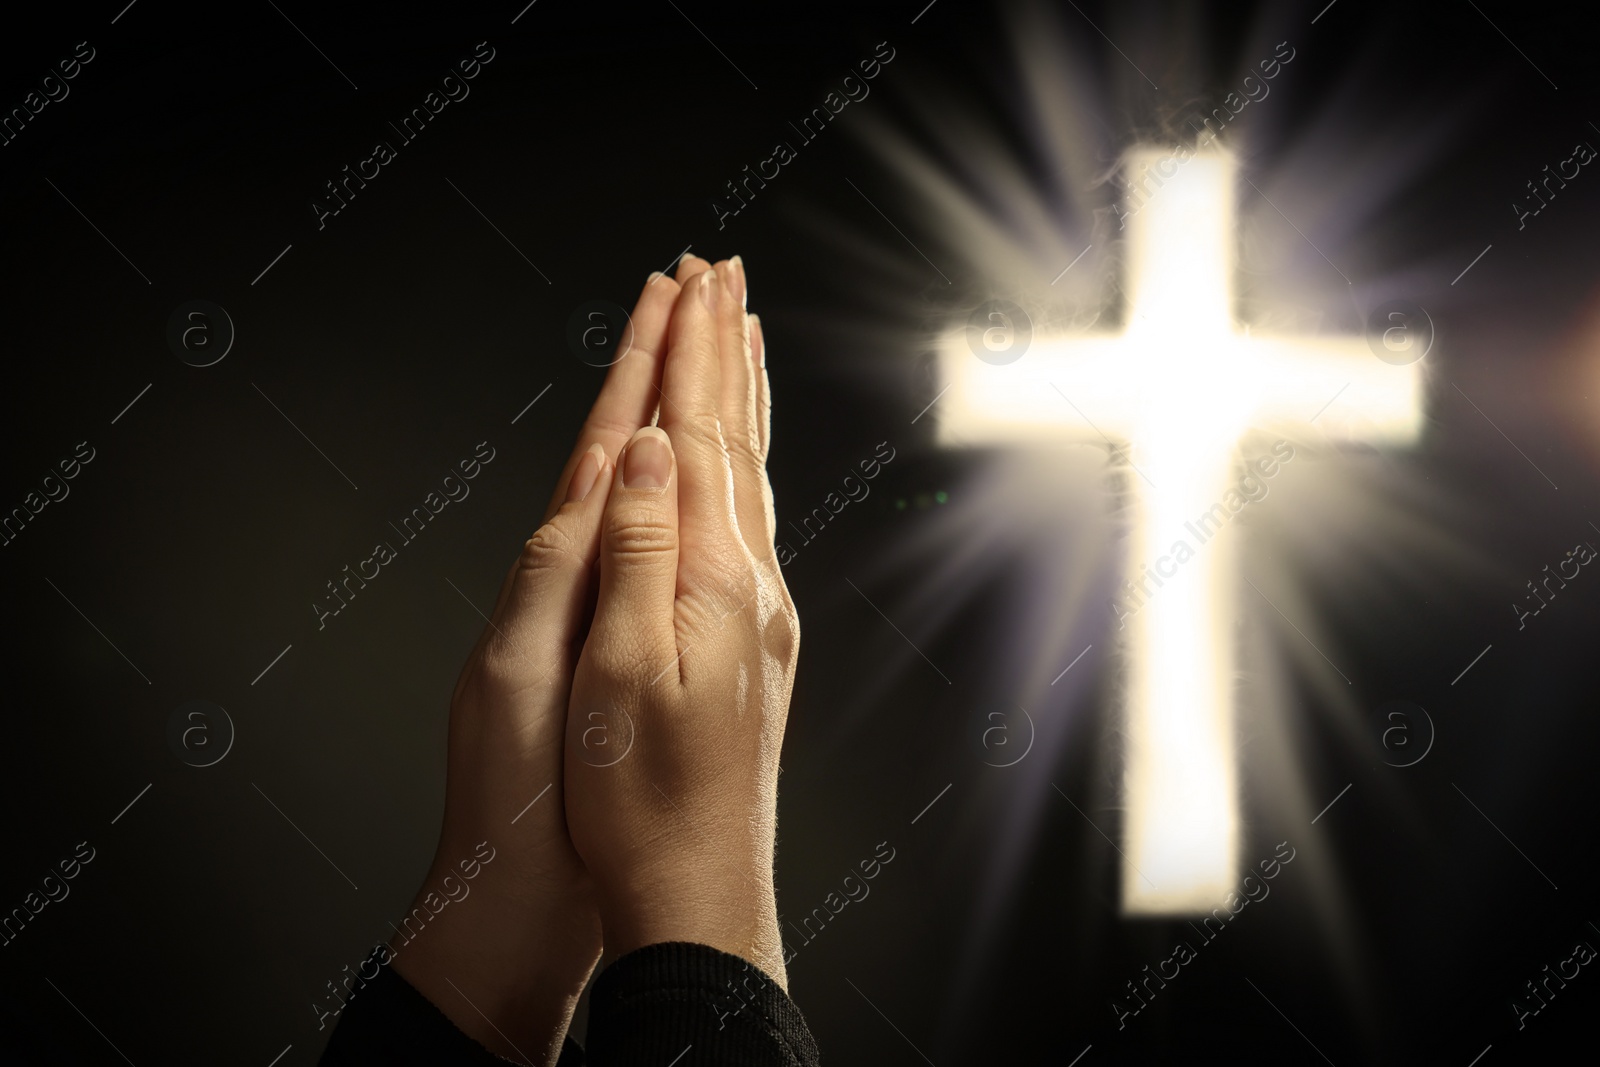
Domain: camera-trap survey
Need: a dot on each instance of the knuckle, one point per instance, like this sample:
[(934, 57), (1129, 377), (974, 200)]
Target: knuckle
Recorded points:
[(603, 424), (712, 597), (637, 349), (734, 595), (729, 592), (782, 635), (745, 446), (505, 669), (550, 548), (764, 425), (511, 663), (704, 430), (642, 536)]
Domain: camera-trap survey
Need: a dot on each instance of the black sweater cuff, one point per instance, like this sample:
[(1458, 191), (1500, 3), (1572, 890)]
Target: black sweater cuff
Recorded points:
[(707, 1007), (390, 1024), (678, 1003)]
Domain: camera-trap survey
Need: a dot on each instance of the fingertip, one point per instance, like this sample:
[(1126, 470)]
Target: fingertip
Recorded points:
[(711, 290), (758, 342), (586, 473), (738, 283), (689, 266), (695, 296), (731, 273), (658, 283), (647, 461), (691, 386)]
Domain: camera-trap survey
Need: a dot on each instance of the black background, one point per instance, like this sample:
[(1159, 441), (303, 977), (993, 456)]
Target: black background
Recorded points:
[(408, 330)]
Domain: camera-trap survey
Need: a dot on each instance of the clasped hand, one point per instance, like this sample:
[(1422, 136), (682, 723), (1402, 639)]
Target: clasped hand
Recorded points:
[(634, 677)]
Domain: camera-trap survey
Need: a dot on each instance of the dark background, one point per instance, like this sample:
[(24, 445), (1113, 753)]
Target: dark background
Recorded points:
[(408, 330)]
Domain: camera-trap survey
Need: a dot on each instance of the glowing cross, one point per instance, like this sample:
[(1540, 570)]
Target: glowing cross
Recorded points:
[(1181, 386)]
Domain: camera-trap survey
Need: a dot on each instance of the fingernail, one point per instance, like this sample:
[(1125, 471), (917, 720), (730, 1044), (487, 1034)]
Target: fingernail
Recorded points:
[(647, 464), (586, 473), (708, 290), (653, 276), (736, 283), (758, 342)]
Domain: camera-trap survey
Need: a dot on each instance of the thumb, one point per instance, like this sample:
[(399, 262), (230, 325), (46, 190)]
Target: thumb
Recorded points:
[(539, 615), (633, 636)]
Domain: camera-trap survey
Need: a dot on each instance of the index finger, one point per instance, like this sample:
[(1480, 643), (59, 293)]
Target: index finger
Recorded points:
[(691, 383), (627, 400)]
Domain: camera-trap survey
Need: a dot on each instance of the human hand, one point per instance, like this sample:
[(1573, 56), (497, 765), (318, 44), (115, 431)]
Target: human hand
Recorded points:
[(691, 653), (507, 961)]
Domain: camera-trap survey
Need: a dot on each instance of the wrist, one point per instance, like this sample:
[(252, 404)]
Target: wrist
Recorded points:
[(743, 924), (506, 970)]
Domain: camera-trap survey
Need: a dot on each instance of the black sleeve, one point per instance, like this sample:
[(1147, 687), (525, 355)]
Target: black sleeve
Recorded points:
[(678, 1003), (692, 1002), (387, 1022)]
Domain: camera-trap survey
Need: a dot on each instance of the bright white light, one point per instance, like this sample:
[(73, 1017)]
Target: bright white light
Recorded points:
[(1180, 386)]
